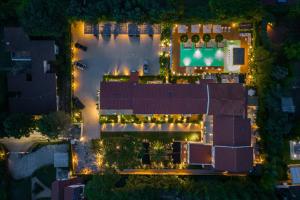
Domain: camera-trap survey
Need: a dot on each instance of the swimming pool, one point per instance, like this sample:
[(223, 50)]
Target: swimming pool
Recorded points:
[(201, 57)]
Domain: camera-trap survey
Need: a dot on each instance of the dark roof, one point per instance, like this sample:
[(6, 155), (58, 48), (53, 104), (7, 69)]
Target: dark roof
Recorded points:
[(233, 159), (57, 191), (238, 56), (200, 153), (73, 192), (231, 131), (33, 90), (224, 99)]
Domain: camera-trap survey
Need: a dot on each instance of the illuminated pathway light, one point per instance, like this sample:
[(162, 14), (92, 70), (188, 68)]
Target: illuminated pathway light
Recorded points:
[(219, 54), (208, 61), (187, 61), (197, 54)]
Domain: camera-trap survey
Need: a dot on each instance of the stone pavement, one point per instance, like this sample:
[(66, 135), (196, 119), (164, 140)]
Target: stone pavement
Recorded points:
[(23, 165)]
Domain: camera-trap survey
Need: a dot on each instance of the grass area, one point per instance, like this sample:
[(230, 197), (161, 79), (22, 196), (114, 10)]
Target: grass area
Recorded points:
[(153, 136)]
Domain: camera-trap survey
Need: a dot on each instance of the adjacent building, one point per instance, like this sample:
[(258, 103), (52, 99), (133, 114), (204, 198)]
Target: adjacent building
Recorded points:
[(32, 81)]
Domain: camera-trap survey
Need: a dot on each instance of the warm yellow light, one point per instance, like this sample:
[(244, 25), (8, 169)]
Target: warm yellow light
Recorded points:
[(233, 25)]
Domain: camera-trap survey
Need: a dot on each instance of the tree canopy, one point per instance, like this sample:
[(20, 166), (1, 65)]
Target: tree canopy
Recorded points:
[(43, 17), (18, 125), (54, 124)]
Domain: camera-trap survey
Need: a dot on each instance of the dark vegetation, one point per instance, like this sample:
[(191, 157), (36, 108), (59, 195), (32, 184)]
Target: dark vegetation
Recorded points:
[(112, 186)]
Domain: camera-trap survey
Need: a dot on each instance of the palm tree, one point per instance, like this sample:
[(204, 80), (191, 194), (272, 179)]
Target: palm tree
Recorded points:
[(184, 38), (206, 38), (219, 38), (195, 38)]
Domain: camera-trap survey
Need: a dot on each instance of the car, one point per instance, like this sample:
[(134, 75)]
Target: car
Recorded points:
[(146, 67), (80, 46), (80, 66)]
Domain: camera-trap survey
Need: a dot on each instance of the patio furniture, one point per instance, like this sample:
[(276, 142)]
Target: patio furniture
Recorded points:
[(133, 30), (106, 29), (182, 28), (117, 29), (188, 44), (88, 29), (207, 28), (217, 29), (149, 30), (195, 28)]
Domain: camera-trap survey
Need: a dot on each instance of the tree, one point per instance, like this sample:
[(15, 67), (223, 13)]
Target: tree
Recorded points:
[(102, 187), (184, 38), (54, 124), (195, 38), (18, 125), (236, 9), (44, 17)]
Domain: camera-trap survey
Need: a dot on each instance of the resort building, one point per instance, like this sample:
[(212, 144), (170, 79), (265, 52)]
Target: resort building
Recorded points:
[(226, 147), (31, 82)]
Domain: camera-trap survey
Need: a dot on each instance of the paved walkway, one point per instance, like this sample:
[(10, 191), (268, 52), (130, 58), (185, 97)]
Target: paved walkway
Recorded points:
[(22, 144), (23, 165), (151, 127), (121, 54)]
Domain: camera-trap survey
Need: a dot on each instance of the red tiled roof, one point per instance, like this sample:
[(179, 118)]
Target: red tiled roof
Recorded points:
[(233, 159), (231, 131), (226, 99), (199, 153)]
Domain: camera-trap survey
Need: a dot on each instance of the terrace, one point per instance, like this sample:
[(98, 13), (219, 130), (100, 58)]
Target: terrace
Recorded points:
[(209, 48)]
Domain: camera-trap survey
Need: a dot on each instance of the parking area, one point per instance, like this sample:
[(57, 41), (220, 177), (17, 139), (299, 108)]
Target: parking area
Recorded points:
[(117, 54)]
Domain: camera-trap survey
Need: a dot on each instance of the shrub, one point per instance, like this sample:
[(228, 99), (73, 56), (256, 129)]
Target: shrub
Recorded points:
[(184, 38), (219, 37), (195, 38), (206, 37)]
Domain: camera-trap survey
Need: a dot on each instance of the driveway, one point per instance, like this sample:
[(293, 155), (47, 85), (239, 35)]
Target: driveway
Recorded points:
[(24, 143), (113, 55)]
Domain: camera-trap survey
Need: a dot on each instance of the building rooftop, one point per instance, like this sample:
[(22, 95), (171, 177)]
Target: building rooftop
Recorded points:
[(233, 159), (231, 131), (200, 154), (32, 88), (210, 98)]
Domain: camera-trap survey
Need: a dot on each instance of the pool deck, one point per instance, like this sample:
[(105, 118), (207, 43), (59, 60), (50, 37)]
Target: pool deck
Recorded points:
[(233, 35)]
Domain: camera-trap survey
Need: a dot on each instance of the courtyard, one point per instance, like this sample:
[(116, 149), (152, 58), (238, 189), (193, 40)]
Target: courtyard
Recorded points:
[(117, 54)]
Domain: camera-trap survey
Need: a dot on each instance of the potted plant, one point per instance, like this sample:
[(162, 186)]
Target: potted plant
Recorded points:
[(184, 38), (206, 38), (219, 38), (195, 38)]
